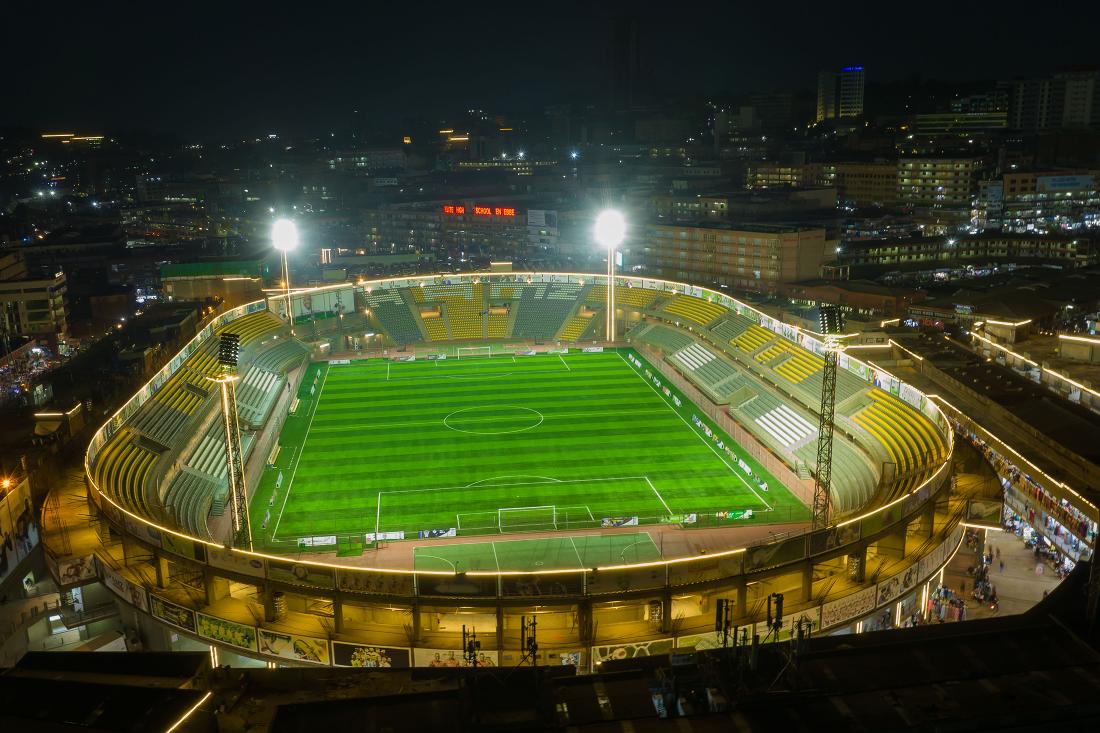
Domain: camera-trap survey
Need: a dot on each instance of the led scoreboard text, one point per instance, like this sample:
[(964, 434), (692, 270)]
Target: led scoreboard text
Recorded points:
[(460, 210)]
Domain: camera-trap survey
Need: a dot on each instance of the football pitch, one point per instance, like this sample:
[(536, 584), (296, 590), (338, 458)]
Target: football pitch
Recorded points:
[(491, 445)]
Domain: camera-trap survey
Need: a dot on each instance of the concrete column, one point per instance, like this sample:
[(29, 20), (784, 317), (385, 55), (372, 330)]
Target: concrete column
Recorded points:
[(416, 630), (666, 611), (269, 604), (807, 581), (216, 588), (338, 615), (160, 564), (500, 628), (584, 622), (741, 599)]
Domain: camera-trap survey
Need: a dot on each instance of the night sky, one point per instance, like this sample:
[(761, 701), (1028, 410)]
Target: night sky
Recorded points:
[(205, 69)]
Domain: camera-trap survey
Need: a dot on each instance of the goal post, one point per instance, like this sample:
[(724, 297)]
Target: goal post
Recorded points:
[(467, 352), (527, 518)]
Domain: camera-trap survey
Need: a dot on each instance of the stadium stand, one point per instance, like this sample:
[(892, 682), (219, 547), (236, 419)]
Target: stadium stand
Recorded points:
[(854, 480), (160, 422), (665, 338), (574, 328), (437, 327), (694, 309), (730, 327), (544, 308), (635, 297), (463, 307), (498, 325), (753, 338), (122, 469), (394, 317)]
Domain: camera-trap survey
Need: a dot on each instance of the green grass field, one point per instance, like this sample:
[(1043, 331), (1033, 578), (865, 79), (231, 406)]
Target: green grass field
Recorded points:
[(491, 445)]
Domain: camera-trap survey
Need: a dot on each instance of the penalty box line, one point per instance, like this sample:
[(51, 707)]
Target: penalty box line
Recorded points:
[(552, 482)]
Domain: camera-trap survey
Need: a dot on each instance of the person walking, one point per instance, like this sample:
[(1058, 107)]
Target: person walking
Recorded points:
[(1001, 566)]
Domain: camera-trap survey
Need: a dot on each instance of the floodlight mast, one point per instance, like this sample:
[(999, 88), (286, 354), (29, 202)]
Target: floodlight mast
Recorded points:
[(610, 230), (831, 324), (228, 357), (284, 237)]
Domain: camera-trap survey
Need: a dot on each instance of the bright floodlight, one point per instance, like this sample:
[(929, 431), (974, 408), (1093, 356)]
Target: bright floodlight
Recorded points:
[(610, 228), (284, 235)]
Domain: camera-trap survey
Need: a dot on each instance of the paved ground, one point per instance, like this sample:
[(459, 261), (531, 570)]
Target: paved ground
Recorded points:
[(1018, 586)]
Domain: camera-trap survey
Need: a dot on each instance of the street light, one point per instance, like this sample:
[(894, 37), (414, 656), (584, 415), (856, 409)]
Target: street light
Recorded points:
[(284, 236), (610, 231)]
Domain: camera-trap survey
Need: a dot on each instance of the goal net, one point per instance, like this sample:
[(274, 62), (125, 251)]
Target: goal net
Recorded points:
[(527, 518), (467, 352)]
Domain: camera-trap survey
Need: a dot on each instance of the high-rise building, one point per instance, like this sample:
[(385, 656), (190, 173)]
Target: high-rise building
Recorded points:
[(840, 93), (757, 258), (1068, 100)]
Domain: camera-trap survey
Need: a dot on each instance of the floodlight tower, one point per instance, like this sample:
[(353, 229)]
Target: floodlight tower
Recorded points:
[(610, 230), (284, 237), (229, 348), (831, 322)]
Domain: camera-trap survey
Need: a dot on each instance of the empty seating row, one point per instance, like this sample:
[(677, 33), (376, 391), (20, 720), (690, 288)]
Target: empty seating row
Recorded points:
[(854, 481), (753, 338), (281, 357), (694, 309), (543, 309), (463, 307), (665, 338), (730, 327), (910, 441), (122, 469), (160, 422), (256, 395), (634, 297), (498, 325), (437, 329), (394, 316), (573, 328), (189, 500)]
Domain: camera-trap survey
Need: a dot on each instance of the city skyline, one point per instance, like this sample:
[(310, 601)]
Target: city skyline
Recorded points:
[(207, 71)]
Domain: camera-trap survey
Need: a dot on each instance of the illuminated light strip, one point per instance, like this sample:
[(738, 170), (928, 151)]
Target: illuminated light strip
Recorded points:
[(445, 132), (458, 138), (88, 137), (944, 465), (49, 135), (867, 346), (1082, 339), (1008, 323), (915, 355), (1035, 469), (979, 526), (242, 310), (190, 712), (882, 324), (1078, 385), (998, 346)]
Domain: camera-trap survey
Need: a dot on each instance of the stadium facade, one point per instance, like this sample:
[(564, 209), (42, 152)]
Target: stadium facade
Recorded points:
[(158, 498)]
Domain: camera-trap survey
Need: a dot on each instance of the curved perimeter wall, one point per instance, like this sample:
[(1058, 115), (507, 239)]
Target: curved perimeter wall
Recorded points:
[(886, 534)]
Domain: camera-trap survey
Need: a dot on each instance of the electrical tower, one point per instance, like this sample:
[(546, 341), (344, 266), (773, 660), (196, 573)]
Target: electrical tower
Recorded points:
[(831, 322), (229, 348)]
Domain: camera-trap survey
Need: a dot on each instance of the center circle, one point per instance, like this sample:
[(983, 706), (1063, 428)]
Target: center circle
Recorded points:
[(493, 419)]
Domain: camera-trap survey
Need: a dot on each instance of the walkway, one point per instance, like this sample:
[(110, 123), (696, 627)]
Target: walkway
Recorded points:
[(1018, 586)]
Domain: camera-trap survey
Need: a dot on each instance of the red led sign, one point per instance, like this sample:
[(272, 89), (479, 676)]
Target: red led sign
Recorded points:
[(458, 210)]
